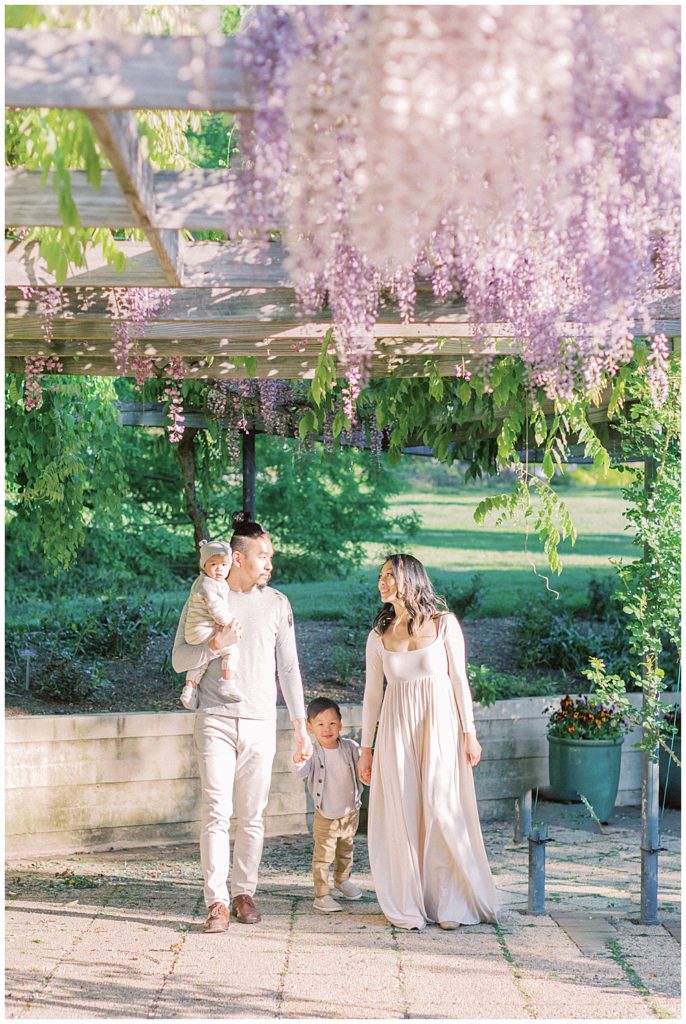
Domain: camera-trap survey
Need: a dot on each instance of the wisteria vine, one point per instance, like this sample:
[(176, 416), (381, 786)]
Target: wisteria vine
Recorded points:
[(527, 157)]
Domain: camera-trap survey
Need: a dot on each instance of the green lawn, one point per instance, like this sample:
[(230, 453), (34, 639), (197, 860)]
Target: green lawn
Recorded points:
[(453, 547)]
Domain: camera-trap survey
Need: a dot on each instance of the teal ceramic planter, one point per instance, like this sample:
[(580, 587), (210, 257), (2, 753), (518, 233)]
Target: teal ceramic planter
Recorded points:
[(670, 776), (588, 767)]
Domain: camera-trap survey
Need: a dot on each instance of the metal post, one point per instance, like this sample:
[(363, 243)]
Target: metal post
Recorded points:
[(249, 506), (522, 817), (650, 787), (538, 838)]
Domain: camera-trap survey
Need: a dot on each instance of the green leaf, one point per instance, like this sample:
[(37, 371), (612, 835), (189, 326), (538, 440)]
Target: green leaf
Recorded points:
[(547, 466), (307, 424), (340, 423)]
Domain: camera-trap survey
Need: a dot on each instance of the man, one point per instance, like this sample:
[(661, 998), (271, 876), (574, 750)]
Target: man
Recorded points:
[(236, 741)]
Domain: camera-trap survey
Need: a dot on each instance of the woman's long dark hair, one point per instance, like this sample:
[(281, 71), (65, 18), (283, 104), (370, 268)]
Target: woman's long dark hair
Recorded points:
[(415, 591)]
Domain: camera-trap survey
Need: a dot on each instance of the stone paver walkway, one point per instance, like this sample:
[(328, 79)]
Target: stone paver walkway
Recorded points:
[(117, 935)]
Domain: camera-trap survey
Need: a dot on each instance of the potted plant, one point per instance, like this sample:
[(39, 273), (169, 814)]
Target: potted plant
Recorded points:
[(585, 736), (670, 767)]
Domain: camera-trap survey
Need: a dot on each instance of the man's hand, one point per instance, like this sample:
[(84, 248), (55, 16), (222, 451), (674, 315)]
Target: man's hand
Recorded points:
[(364, 765), (472, 749), (225, 636), (303, 747)]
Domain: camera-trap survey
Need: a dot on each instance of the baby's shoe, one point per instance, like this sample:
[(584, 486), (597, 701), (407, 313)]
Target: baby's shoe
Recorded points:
[(189, 697), (348, 890), (326, 905)]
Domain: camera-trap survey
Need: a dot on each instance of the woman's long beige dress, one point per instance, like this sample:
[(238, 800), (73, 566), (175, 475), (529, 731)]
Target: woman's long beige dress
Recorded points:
[(426, 850)]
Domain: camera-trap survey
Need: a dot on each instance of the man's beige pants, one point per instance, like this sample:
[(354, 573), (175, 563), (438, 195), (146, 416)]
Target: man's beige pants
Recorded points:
[(333, 844), (235, 758)]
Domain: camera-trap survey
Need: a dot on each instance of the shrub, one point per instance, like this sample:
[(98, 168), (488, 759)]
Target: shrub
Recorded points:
[(546, 635), (118, 629), (601, 602), (66, 679), (488, 685), (463, 601)]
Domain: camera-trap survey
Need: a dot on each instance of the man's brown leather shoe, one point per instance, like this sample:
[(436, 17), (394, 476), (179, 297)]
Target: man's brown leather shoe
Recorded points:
[(244, 909), (217, 918)]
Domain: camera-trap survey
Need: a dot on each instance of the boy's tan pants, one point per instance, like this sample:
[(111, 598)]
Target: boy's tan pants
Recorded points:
[(333, 844)]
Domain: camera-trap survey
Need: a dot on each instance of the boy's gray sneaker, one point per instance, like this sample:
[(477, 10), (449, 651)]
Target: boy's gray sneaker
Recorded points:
[(326, 905), (348, 890)]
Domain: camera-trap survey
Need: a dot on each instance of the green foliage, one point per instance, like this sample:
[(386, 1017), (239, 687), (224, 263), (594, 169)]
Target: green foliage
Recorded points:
[(489, 685), (547, 636), (67, 680), (117, 629), (64, 464), (214, 142), (323, 507), (650, 586), (464, 601)]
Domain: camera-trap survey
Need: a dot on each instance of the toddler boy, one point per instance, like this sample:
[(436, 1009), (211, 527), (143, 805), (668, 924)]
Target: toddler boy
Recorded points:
[(332, 779)]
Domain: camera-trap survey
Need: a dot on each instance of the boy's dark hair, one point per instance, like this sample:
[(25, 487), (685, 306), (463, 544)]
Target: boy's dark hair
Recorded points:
[(319, 704), (244, 530)]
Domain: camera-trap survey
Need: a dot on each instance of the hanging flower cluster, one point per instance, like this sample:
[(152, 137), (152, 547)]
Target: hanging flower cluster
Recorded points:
[(36, 366), (49, 302), (135, 308), (176, 372), (526, 157)]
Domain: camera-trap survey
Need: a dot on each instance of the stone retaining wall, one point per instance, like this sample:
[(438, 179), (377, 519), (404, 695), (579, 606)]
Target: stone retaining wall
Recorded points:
[(86, 782)]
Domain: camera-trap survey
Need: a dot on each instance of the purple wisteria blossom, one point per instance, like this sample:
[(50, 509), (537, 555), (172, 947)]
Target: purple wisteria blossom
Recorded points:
[(526, 157)]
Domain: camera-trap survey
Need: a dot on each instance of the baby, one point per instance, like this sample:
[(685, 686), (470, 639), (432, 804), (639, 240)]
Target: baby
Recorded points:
[(208, 610), (332, 779)]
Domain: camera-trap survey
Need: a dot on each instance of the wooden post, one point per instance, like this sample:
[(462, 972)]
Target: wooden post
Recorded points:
[(249, 506)]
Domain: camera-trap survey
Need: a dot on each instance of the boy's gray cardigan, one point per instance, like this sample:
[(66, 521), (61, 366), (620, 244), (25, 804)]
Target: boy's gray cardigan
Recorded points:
[(315, 772)]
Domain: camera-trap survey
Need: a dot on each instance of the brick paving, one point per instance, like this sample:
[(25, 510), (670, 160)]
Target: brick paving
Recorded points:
[(116, 934)]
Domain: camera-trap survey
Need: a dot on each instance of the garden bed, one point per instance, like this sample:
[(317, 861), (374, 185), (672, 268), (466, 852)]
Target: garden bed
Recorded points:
[(146, 683)]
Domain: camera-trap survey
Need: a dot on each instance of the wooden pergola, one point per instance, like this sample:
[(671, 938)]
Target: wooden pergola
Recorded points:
[(231, 299)]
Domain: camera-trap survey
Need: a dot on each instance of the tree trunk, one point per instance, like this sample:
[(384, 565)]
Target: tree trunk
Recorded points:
[(196, 513)]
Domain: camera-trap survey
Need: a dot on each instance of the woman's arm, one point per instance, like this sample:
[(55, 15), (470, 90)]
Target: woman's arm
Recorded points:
[(371, 705), (457, 668)]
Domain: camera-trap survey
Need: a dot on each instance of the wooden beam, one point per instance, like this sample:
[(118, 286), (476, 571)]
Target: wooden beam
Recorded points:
[(269, 367), (244, 264), (92, 71), (28, 202), (117, 133), (226, 305), (391, 350), (206, 337), (195, 200)]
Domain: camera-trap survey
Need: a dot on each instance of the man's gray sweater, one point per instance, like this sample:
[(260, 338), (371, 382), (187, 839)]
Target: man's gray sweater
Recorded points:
[(266, 646)]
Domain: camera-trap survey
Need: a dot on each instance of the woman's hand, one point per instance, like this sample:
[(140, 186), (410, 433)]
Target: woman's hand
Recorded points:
[(472, 749), (364, 765)]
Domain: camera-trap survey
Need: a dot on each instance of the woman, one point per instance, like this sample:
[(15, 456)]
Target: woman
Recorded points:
[(425, 846)]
